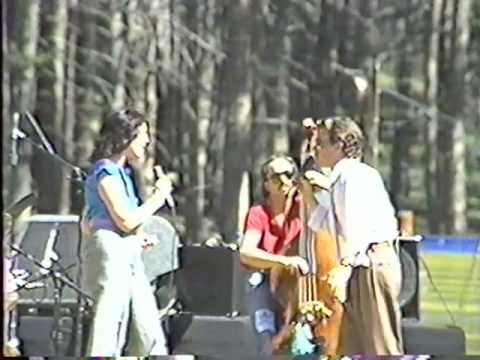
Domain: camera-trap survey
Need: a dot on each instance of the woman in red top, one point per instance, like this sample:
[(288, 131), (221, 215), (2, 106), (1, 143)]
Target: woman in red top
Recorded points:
[(271, 227)]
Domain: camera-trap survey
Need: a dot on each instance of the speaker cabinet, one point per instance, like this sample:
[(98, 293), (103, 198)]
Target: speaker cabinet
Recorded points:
[(66, 242), (36, 327), (40, 335), (210, 281), (445, 340), (220, 337), (213, 337)]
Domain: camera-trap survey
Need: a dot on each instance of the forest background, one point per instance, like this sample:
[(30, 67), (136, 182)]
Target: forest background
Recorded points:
[(225, 84)]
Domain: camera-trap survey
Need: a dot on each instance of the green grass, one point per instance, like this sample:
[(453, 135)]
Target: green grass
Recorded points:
[(459, 286)]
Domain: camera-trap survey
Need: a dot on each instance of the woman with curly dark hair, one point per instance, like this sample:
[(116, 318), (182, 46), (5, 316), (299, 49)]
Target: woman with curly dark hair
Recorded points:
[(124, 302)]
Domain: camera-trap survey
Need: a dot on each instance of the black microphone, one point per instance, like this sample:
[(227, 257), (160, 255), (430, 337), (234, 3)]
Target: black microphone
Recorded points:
[(14, 135), (308, 164)]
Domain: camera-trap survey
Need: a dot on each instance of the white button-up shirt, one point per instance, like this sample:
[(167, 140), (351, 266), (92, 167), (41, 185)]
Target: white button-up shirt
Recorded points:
[(360, 210)]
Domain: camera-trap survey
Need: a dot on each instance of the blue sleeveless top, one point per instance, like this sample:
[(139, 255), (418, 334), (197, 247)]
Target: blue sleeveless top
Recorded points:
[(96, 208)]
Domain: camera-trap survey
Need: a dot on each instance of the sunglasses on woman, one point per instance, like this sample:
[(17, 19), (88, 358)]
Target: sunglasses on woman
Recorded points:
[(282, 178)]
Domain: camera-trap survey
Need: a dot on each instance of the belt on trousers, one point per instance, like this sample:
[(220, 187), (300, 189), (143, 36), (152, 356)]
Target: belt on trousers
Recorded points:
[(374, 246), (361, 258), (103, 224)]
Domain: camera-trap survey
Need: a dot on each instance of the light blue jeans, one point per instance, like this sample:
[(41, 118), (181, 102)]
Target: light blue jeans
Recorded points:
[(114, 275)]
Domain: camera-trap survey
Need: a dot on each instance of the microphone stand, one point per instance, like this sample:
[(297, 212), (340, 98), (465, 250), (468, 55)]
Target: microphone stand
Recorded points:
[(79, 173), (59, 280), (63, 278)]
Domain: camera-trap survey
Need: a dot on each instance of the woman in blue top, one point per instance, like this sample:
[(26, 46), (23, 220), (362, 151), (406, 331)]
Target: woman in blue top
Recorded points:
[(114, 271)]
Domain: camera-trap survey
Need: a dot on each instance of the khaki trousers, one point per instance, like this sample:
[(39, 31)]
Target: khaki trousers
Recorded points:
[(371, 322)]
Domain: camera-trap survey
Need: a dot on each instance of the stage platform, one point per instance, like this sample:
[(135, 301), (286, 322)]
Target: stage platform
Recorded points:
[(222, 337), (217, 337)]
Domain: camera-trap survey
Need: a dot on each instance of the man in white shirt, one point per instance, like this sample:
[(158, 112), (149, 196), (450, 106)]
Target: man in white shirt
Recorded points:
[(358, 211)]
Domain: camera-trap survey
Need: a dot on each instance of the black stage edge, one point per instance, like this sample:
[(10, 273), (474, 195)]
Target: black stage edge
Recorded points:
[(223, 337)]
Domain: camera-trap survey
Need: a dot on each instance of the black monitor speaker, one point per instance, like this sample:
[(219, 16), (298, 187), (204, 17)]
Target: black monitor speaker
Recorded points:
[(210, 281), (64, 233), (409, 294)]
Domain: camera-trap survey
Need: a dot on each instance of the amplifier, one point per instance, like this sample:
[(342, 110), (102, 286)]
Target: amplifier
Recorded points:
[(210, 281), (64, 232)]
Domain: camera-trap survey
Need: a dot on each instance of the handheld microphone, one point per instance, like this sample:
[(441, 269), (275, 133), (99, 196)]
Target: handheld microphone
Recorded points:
[(14, 135), (168, 197), (49, 254)]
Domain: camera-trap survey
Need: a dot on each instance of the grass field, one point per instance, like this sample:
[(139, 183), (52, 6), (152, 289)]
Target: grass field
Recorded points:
[(457, 278)]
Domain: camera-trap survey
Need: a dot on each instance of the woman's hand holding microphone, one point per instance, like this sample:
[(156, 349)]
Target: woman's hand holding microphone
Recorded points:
[(163, 187), (162, 194)]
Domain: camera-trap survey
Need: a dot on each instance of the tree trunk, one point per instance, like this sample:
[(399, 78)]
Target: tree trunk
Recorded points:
[(24, 98), (261, 86), (141, 80), (6, 122), (166, 131), (271, 45), (323, 91), (443, 64), (119, 55), (367, 51), (151, 92), (137, 47), (204, 87), (404, 132), (70, 109), (62, 130), (431, 126), (92, 85), (300, 75), (50, 110), (371, 122), (237, 71), (346, 26), (277, 101), (452, 140)]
